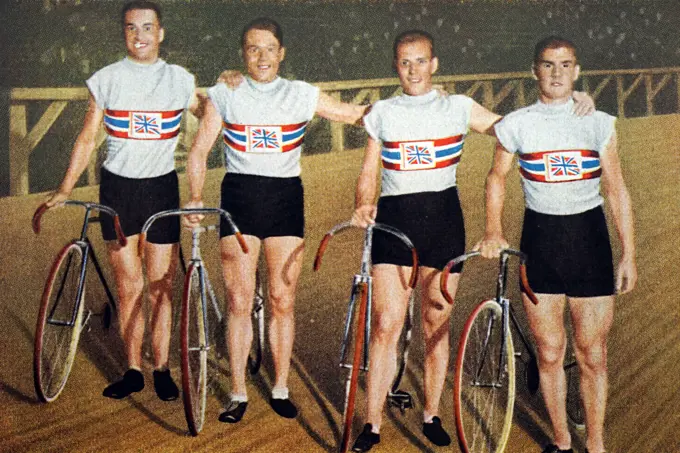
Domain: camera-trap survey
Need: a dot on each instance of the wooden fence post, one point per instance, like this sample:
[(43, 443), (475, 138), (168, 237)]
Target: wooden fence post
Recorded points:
[(18, 150)]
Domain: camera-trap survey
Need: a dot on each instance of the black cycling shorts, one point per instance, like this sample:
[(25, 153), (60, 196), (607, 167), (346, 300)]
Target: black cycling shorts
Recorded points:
[(263, 206), (135, 200), (568, 254), (433, 221)]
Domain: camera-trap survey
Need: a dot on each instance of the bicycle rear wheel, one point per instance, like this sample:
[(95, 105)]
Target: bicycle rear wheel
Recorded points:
[(257, 345), (194, 349), (361, 294), (484, 394), (59, 324)]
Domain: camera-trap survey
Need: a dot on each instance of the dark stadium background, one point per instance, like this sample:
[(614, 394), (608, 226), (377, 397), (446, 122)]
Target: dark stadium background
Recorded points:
[(62, 42)]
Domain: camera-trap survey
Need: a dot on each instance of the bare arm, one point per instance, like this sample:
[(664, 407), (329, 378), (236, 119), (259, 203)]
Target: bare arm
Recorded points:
[(82, 151), (335, 110), (620, 206), (197, 104), (367, 186), (208, 128), (483, 120), (494, 241)]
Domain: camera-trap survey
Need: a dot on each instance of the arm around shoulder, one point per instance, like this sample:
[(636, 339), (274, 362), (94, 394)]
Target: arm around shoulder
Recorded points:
[(335, 110), (483, 120)]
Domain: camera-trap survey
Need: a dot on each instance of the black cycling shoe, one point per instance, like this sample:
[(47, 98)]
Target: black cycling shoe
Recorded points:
[(234, 413), (552, 448), (284, 407), (133, 381), (435, 433), (366, 439), (164, 385)]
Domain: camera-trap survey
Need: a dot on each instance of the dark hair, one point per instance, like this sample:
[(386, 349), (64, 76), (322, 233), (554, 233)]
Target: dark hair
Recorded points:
[(552, 42), (410, 36), (263, 23), (141, 4)]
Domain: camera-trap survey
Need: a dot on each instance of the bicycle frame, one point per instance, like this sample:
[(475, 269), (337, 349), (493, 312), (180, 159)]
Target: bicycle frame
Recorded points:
[(196, 259), (364, 278), (507, 311), (88, 251), (75, 316), (362, 287)]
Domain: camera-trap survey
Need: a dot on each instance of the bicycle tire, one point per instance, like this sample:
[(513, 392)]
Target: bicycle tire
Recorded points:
[(352, 381), (575, 413), (257, 316), (59, 324), (403, 345), (483, 401), (194, 350)]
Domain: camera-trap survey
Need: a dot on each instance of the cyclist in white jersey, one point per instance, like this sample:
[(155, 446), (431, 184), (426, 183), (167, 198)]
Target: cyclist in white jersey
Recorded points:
[(562, 162), (417, 139), (140, 101), (262, 121)]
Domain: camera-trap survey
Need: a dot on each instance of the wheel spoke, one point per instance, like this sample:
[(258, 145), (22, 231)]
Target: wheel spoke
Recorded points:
[(59, 324), (485, 382)]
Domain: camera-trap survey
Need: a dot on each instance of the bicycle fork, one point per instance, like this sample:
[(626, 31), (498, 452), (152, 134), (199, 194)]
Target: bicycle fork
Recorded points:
[(358, 281)]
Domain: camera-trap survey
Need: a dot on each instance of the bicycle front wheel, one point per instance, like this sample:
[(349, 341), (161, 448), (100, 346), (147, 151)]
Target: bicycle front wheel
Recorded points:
[(59, 324), (194, 349), (353, 376), (484, 385)]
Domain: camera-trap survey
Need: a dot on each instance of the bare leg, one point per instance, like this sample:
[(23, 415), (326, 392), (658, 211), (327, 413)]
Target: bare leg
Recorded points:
[(161, 264), (547, 324), (239, 275), (390, 300), (127, 273), (592, 318), (435, 315), (284, 263)]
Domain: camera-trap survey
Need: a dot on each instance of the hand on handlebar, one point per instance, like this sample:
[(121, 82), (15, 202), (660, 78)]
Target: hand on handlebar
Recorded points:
[(56, 199), (491, 245), (364, 215), (192, 221)]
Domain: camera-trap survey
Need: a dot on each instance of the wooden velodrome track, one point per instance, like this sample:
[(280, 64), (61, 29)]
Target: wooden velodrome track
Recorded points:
[(644, 359)]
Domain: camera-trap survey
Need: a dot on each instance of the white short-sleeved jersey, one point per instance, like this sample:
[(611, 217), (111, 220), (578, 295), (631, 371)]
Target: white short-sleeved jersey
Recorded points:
[(422, 140), (143, 107), (559, 155), (264, 125)]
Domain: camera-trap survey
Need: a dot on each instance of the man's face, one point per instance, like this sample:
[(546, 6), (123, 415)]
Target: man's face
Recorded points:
[(143, 35), (415, 66), (262, 55), (556, 72)]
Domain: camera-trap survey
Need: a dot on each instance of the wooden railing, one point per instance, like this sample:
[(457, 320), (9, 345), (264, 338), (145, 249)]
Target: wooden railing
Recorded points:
[(636, 92)]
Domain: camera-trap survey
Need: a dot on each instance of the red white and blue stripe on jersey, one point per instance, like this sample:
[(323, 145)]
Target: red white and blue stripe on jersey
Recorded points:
[(422, 154), (560, 165), (143, 125), (264, 139)]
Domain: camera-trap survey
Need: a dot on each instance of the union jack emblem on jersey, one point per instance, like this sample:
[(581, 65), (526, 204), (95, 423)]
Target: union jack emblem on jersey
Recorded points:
[(143, 125), (422, 154), (560, 166), (264, 139)]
